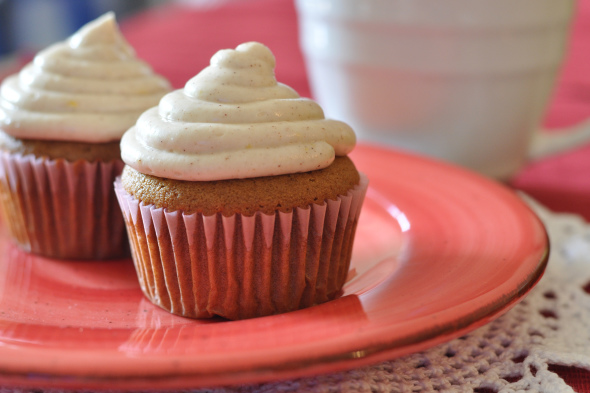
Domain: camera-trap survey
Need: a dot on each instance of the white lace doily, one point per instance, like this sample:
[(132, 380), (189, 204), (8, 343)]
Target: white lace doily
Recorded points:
[(551, 326)]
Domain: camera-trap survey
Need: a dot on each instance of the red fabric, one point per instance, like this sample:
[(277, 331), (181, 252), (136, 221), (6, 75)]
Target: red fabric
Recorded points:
[(179, 42), (577, 378)]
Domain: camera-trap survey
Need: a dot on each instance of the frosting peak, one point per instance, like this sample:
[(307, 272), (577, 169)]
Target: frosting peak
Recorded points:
[(234, 120), (102, 31), (242, 75), (89, 88), (250, 54)]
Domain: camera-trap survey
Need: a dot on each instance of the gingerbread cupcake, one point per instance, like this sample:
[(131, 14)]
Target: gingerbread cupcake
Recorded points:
[(238, 195), (61, 121)]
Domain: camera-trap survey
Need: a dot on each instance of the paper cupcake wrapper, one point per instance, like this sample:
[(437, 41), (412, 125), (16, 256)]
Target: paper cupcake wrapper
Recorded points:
[(241, 267), (61, 209)]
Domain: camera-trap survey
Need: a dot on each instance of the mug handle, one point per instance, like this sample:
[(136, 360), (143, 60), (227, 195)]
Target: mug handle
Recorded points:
[(546, 143)]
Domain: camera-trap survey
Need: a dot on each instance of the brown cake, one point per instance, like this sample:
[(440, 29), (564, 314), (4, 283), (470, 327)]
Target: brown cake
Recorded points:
[(244, 196), (61, 120), (55, 150), (62, 207), (238, 196)]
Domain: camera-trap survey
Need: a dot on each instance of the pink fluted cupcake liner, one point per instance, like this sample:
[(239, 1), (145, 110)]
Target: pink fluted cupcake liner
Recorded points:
[(242, 266), (61, 209)]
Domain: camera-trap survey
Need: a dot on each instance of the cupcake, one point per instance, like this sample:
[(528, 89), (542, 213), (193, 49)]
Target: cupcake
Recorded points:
[(61, 121), (238, 195)]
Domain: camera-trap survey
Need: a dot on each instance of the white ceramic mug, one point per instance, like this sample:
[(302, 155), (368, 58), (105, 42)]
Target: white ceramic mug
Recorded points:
[(466, 81)]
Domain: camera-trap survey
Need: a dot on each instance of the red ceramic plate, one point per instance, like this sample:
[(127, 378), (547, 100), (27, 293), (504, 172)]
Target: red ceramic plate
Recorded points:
[(439, 252)]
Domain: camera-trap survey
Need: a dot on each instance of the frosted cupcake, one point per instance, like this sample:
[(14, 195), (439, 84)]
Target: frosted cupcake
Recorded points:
[(238, 196), (61, 120)]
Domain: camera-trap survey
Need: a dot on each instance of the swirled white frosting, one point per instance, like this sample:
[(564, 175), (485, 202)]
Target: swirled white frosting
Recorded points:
[(90, 88), (233, 120)]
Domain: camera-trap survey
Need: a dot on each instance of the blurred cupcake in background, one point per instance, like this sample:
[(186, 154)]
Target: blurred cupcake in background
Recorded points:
[(61, 119), (238, 195)]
